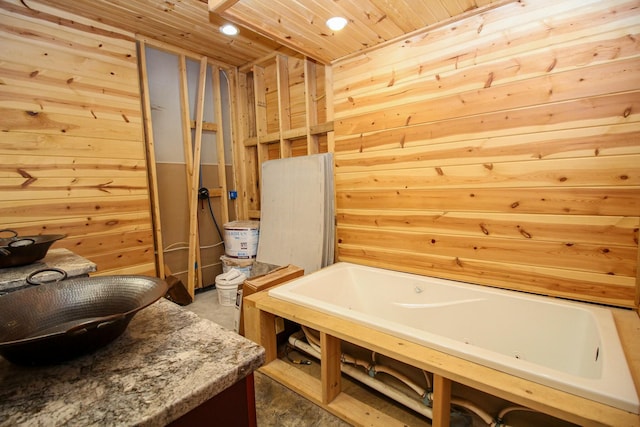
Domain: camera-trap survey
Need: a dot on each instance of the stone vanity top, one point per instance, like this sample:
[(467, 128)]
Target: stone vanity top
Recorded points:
[(167, 362), (14, 278)]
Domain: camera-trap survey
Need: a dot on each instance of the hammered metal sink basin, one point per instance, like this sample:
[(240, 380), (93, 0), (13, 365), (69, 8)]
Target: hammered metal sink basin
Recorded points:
[(54, 322), (22, 250)]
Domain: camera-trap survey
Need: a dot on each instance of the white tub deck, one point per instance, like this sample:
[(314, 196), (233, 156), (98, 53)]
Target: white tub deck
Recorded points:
[(569, 346)]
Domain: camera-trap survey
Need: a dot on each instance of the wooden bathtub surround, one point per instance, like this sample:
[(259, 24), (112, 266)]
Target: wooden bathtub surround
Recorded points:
[(260, 313)]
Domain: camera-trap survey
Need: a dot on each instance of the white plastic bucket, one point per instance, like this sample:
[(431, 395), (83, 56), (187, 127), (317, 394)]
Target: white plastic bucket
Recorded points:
[(241, 239), (227, 286)]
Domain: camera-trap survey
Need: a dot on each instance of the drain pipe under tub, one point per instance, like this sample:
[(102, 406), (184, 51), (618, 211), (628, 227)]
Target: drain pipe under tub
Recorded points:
[(364, 378), (419, 406)]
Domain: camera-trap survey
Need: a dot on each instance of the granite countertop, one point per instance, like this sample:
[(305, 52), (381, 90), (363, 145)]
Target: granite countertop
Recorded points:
[(14, 278), (167, 362)]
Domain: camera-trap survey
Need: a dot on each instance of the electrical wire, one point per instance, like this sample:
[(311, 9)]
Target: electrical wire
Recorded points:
[(214, 221), (215, 264)]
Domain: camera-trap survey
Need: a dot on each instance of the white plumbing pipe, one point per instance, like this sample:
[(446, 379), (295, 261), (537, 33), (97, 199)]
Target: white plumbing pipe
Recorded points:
[(389, 371), (345, 358), (376, 367), (313, 348), (369, 381), (426, 378), (514, 408), (311, 338), (368, 366)]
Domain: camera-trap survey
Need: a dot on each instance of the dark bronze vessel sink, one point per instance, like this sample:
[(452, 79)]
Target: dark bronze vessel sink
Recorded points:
[(22, 250), (54, 322)]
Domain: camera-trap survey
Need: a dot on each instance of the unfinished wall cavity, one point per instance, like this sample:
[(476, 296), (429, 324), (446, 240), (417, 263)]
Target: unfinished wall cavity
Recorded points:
[(189, 135)]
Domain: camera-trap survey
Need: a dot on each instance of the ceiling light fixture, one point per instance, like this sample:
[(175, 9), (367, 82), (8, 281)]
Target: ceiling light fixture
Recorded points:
[(336, 23), (229, 30)]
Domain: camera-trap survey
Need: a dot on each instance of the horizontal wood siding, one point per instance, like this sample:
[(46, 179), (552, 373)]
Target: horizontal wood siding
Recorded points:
[(502, 150), (72, 143)]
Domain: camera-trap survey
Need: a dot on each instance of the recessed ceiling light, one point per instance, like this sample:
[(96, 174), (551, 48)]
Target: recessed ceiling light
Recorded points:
[(336, 23), (229, 30)]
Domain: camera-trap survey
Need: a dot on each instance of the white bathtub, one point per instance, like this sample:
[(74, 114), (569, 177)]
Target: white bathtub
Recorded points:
[(569, 346)]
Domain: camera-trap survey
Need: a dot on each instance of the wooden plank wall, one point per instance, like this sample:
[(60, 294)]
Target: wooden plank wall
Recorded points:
[(72, 144), (502, 150)]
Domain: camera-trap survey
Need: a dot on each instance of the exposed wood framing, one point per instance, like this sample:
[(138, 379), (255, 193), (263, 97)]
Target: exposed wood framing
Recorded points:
[(220, 137), (194, 264), (311, 106), (151, 156), (280, 116), (284, 108), (441, 400), (260, 105), (220, 6)]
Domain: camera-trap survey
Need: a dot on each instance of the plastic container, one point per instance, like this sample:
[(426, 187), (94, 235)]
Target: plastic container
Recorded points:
[(227, 286), (243, 265), (241, 239)]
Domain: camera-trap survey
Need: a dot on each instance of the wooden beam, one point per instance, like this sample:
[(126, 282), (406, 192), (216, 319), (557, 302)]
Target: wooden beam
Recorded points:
[(151, 162), (260, 327), (219, 6), (297, 133), (328, 90), (206, 126), (311, 105), (284, 107), (261, 118), (441, 401), (330, 373), (187, 146), (194, 263), (239, 107), (222, 173)]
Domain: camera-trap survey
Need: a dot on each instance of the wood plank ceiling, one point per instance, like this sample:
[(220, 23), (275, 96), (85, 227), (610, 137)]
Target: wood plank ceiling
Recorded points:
[(301, 25), (185, 24), (271, 25)]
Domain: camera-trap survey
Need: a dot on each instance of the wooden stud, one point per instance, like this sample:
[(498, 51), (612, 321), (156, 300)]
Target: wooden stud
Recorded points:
[(284, 107), (260, 327), (192, 161), (311, 105), (441, 401), (187, 145), (151, 161), (239, 132), (260, 105), (195, 178), (328, 90), (220, 136), (330, 367)]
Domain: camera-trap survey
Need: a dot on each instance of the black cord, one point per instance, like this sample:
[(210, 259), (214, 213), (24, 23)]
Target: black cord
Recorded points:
[(214, 220)]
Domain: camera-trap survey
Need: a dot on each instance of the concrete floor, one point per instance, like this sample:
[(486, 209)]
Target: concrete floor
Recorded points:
[(276, 405)]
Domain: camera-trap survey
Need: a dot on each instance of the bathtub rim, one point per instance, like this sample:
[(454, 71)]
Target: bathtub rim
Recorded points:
[(464, 352)]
